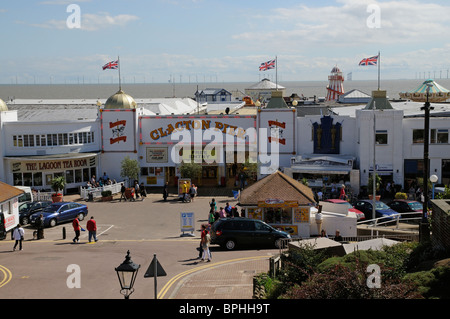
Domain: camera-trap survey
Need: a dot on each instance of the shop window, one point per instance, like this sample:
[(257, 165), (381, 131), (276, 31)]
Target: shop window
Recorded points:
[(78, 176), (69, 177), (418, 136), (17, 179), (86, 175), (381, 137), (144, 171), (278, 215), (27, 179), (37, 179)]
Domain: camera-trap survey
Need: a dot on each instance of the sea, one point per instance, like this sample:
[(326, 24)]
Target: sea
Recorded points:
[(308, 89)]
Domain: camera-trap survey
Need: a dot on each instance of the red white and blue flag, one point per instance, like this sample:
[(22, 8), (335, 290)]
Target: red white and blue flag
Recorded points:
[(113, 65), (268, 65), (369, 61)]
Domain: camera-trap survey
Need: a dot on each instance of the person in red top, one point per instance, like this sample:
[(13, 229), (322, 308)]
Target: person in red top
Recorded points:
[(91, 226), (76, 227)]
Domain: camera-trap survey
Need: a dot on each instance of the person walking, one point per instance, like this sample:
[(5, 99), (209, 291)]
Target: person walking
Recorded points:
[(91, 226), (40, 227), (77, 228), (18, 234), (136, 189), (143, 191), (206, 240), (192, 192), (166, 191), (122, 192)]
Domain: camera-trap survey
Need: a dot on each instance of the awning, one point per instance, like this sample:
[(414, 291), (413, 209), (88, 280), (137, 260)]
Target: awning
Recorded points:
[(320, 170)]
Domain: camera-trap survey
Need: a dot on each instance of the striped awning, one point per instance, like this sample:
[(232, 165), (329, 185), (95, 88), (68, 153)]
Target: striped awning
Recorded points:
[(437, 93)]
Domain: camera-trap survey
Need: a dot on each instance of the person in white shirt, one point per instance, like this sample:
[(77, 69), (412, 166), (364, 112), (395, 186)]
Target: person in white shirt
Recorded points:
[(18, 234)]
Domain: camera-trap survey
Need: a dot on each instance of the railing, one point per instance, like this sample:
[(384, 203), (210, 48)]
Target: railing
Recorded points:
[(42, 196), (381, 221), (97, 192)]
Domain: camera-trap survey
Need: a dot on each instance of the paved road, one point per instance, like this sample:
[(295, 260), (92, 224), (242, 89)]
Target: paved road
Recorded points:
[(49, 268)]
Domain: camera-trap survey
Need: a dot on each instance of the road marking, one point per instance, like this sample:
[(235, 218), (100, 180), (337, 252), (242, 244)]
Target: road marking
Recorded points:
[(172, 281), (7, 276)]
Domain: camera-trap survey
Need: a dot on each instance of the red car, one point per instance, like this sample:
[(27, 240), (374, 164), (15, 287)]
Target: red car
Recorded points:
[(359, 214)]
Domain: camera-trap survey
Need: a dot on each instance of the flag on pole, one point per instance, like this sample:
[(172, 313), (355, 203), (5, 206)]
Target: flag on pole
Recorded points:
[(113, 65), (268, 65), (369, 61)]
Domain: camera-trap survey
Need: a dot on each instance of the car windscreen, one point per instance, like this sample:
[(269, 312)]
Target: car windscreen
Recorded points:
[(415, 205), (24, 206), (381, 205)]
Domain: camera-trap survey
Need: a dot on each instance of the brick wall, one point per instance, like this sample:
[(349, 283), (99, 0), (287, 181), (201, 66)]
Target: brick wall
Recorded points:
[(440, 223)]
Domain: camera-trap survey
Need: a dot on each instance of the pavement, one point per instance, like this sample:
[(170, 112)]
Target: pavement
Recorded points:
[(57, 268)]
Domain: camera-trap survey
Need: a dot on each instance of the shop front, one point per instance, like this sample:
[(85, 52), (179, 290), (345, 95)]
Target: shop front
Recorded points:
[(38, 171)]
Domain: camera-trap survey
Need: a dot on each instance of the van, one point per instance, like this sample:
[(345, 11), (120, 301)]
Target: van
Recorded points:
[(27, 196), (238, 231)]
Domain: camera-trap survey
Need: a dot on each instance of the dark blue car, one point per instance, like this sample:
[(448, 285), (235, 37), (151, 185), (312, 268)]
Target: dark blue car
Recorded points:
[(58, 213), (381, 210)]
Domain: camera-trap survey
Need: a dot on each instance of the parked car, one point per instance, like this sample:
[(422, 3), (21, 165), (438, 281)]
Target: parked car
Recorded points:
[(231, 232), (29, 208), (359, 214), (61, 212), (407, 206), (381, 210)]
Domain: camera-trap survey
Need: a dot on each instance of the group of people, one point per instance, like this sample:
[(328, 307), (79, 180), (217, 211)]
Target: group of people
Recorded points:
[(91, 226), (137, 191), (189, 192), (102, 181), (223, 212)]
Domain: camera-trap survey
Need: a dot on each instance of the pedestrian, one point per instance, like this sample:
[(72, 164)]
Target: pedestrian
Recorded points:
[(185, 189), (192, 192), (211, 217), (342, 192), (122, 192), (143, 191), (338, 236), (202, 235), (91, 227), (40, 227), (136, 189), (213, 204), (77, 228), (166, 191), (228, 209), (222, 213), (206, 240), (18, 234)]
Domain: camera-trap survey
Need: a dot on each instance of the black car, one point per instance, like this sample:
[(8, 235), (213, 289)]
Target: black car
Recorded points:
[(381, 210), (27, 209), (411, 207), (231, 232)]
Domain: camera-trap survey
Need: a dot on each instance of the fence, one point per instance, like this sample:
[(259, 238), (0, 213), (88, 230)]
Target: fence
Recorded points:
[(97, 192), (42, 196)]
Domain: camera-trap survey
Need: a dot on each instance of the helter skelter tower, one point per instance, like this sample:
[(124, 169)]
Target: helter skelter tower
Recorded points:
[(335, 84)]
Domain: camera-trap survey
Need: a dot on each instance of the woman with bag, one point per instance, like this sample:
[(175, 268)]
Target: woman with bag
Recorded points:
[(18, 234)]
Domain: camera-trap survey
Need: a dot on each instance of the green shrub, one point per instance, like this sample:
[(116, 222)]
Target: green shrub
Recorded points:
[(106, 193)]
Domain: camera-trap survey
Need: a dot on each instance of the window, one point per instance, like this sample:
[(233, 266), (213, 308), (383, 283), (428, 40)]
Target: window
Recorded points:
[(439, 136), (418, 136), (381, 137), (59, 139)]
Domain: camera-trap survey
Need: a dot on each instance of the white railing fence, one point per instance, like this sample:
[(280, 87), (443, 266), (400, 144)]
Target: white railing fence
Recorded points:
[(97, 192)]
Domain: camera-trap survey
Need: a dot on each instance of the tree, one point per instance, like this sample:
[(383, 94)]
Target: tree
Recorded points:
[(377, 183), (190, 170), (58, 184), (129, 169)]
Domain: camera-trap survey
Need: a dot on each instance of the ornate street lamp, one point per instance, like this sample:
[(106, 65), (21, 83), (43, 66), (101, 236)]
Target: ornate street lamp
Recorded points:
[(424, 229), (127, 273)]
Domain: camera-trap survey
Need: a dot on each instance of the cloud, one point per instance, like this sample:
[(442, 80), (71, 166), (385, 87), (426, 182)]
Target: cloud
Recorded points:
[(91, 22)]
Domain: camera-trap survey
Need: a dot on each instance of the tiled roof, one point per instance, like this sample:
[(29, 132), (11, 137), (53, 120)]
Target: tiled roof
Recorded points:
[(277, 186), (7, 192)]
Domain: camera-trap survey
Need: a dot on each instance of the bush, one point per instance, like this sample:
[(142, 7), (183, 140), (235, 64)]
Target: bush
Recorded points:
[(106, 193), (401, 195), (433, 283)]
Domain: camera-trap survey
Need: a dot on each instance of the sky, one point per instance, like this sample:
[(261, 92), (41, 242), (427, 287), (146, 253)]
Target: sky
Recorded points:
[(189, 41)]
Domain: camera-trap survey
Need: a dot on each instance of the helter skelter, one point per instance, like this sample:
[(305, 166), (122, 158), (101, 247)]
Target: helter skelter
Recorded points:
[(335, 86)]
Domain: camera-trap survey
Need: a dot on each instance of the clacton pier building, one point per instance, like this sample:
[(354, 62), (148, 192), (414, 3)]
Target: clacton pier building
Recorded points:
[(41, 139)]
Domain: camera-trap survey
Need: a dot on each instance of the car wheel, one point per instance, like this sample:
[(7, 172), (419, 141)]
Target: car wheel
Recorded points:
[(80, 217), (230, 244), (52, 222)]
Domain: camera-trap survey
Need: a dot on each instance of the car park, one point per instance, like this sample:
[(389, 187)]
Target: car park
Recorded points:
[(359, 214), (29, 208), (407, 206), (245, 232), (61, 212), (381, 210)]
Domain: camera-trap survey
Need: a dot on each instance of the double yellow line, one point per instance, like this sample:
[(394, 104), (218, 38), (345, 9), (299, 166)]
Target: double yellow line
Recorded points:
[(7, 276), (169, 284)]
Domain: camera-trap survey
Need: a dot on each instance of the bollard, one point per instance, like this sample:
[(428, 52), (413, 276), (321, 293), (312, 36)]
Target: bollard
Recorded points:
[(64, 232)]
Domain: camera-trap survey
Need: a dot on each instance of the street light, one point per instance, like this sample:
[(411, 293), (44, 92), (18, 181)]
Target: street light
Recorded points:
[(433, 180), (424, 229), (127, 273)]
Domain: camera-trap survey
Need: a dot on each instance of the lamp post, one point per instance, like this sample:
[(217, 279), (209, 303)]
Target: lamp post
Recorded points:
[(433, 180), (424, 229), (127, 273)]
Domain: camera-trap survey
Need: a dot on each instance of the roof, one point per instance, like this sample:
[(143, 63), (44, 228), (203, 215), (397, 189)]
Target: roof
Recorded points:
[(277, 101), (379, 101), (8, 192), (265, 84), (120, 100), (354, 94), (3, 106), (277, 185), (437, 93)]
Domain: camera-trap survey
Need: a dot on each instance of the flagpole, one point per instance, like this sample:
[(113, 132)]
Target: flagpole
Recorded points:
[(276, 71), (379, 60), (120, 78)]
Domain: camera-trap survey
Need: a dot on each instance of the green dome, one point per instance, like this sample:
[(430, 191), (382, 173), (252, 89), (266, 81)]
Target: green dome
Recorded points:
[(120, 100)]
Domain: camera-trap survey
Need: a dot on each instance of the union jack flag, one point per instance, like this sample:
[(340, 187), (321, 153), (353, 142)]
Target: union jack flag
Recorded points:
[(114, 65), (267, 65), (369, 61)]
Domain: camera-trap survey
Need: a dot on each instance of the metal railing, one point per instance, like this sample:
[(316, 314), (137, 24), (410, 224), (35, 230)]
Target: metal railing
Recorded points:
[(382, 221)]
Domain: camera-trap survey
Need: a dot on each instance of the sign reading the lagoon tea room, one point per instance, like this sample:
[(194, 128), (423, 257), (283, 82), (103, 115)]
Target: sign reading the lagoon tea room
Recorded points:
[(50, 165)]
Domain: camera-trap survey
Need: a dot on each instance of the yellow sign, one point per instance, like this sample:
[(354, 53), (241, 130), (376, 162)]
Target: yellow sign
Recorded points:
[(301, 215), (278, 203)]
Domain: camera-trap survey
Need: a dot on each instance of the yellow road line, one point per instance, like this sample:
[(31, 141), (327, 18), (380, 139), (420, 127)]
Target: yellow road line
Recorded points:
[(7, 276), (170, 283)]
